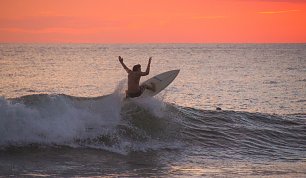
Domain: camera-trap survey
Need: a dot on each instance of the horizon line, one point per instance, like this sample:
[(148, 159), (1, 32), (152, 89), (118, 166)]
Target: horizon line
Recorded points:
[(137, 43)]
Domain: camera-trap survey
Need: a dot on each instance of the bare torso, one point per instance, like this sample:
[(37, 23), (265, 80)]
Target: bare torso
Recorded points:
[(134, 77), (133, 82)]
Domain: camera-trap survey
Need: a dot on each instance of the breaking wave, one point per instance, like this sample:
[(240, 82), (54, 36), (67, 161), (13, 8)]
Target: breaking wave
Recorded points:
[(118, 125)]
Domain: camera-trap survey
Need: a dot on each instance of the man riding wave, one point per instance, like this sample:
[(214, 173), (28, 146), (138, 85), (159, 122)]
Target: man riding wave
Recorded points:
[(134, 90)]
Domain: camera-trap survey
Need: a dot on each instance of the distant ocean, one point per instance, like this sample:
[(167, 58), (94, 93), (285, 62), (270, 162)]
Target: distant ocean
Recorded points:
[(63, 112)]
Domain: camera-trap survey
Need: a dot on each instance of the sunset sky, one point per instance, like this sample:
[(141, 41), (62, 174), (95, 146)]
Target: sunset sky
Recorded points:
[(155, 21)]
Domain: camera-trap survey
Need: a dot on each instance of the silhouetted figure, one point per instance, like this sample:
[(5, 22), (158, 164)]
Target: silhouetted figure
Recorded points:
[(134, 90)]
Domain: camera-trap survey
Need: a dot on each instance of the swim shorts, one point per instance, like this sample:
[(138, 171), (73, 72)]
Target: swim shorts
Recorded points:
[(137, 94)]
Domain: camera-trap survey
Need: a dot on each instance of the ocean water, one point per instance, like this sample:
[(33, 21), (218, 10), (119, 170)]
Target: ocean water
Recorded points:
[(63, 112)]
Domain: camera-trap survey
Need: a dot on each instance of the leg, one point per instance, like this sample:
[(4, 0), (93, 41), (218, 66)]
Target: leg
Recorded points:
[(150, 87)]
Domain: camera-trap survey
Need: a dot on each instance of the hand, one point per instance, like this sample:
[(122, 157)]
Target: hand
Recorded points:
[(120, 59)]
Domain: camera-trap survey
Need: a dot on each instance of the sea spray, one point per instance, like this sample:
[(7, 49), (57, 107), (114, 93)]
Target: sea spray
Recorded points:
[(51, 120), (109, 122), (57, 119)]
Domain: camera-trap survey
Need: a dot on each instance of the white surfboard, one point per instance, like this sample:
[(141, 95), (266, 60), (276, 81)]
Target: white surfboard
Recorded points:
[(161, 81)]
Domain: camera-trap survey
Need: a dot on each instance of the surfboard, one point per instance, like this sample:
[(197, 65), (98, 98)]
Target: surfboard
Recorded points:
[(161, 81)]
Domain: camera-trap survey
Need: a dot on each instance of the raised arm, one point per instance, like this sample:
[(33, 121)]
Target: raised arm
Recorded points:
[(148, 68), (123, 65)]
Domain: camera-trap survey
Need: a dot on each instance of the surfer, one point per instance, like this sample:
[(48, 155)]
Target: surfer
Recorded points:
[(134, 90)]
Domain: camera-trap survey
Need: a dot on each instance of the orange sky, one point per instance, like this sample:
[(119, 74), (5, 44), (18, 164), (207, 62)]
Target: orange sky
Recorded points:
[(155, 21)]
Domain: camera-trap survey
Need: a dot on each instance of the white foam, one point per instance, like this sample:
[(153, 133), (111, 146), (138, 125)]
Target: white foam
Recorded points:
[(69, 121), (60, 120), (155, 106)]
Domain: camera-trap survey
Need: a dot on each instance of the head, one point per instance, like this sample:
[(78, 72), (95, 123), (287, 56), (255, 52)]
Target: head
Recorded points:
[(137, 68)]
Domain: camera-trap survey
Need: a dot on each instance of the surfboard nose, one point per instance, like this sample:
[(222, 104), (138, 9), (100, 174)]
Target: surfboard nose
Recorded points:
[(175, 72)]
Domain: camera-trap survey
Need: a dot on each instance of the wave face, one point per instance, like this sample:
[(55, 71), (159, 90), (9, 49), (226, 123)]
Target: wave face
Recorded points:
[(114, 124), (242, 135), (106, 122)]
